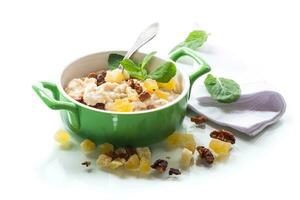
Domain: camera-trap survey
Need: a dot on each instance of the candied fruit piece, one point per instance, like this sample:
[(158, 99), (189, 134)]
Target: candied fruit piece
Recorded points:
[(103, 161), (115, 164), (61, 136), (144, 166), (150, 85), (87, 146), (186, 158), (122, 105), (106, 148), (116, 76), (133, 162), (219, 146), (66, 145), (171, 85), (161, 94), (144, 152), (181, 140)]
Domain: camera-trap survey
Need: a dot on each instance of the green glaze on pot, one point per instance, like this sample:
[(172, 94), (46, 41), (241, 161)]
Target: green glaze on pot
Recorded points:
[(121, 129)]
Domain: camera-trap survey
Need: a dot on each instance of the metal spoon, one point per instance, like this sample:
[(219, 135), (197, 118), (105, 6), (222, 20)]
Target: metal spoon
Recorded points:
[(148, 34)]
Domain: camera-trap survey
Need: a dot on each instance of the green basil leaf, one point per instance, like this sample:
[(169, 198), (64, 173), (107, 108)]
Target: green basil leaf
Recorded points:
[(194, 40), (114, 60), (222, 89), (164, 73), (147, 59), (133, 69)]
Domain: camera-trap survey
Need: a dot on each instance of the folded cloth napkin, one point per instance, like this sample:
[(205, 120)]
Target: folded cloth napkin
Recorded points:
[(250, 114)]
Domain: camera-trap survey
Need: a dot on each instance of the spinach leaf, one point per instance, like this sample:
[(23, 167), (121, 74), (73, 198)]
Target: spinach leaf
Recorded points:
[(194, 40), (114, 60), (147, 59), (134, 69), (163, 73), (222, 89)]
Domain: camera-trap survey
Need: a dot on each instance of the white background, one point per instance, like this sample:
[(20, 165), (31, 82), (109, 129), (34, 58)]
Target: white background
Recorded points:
[(251, 41)]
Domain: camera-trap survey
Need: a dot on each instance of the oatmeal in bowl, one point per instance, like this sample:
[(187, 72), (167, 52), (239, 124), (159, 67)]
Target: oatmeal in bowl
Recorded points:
[(115, 90)]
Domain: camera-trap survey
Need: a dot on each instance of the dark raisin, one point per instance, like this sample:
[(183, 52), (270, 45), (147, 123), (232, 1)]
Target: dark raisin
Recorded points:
[(223, 135), (174, 171), (101, 77), (205, 154), (160, 165), (100, 106), (144, 95), (199, 119)]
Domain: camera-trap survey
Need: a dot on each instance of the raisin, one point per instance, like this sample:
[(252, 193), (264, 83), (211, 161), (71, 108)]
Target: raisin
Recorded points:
[(101, 77), (160, 165), (144, 95), (130, 151), (100, 106), (134, 85), (86, 163), (174, 171), (150, 107), (92, 75), (122, 153), (205, 154), (199, 119), (223, 135)]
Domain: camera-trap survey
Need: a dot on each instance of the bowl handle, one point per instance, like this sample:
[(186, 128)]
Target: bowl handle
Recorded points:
[(54, 103), (183, 51)]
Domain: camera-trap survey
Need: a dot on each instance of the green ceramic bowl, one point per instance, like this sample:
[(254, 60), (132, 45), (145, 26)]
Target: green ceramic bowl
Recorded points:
[(121, 129)]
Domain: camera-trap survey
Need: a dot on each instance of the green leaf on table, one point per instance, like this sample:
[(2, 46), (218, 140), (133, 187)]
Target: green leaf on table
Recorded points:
[(194, 40), (114, 60), (147, 59), (163, 73), (222, 89)]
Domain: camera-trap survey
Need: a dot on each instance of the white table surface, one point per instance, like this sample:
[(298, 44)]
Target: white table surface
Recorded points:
[(253, 42)]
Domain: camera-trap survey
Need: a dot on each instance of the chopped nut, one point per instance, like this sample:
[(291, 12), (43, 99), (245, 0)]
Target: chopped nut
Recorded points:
[(186, 158), (205, 154), (86, 163), (174, 171), (144, 152), (160, 165), (199, 119), (101, 77), (223, 135), (92, 75), (144, 96)]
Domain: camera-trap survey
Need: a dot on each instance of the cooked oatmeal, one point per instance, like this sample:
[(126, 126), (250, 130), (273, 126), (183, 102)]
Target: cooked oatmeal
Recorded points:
[(120, 93)]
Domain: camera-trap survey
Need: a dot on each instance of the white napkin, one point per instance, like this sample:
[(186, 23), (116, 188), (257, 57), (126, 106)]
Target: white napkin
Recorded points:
[(250, 114)]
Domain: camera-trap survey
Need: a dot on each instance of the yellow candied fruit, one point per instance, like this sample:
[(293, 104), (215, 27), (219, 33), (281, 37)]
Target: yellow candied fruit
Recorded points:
[(181, 140), (115, 164), (144, 166), (116, 76), (103, 161), (144, 152), (133, 162), (61, 136), (66, 145), (219, 146), (186, 158), (171, 85), (87, 146), (161, 94), (150, 85), (122, 105), (106, 148)]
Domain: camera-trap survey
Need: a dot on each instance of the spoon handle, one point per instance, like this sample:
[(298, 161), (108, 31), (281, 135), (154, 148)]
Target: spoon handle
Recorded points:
[(148, 34)]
